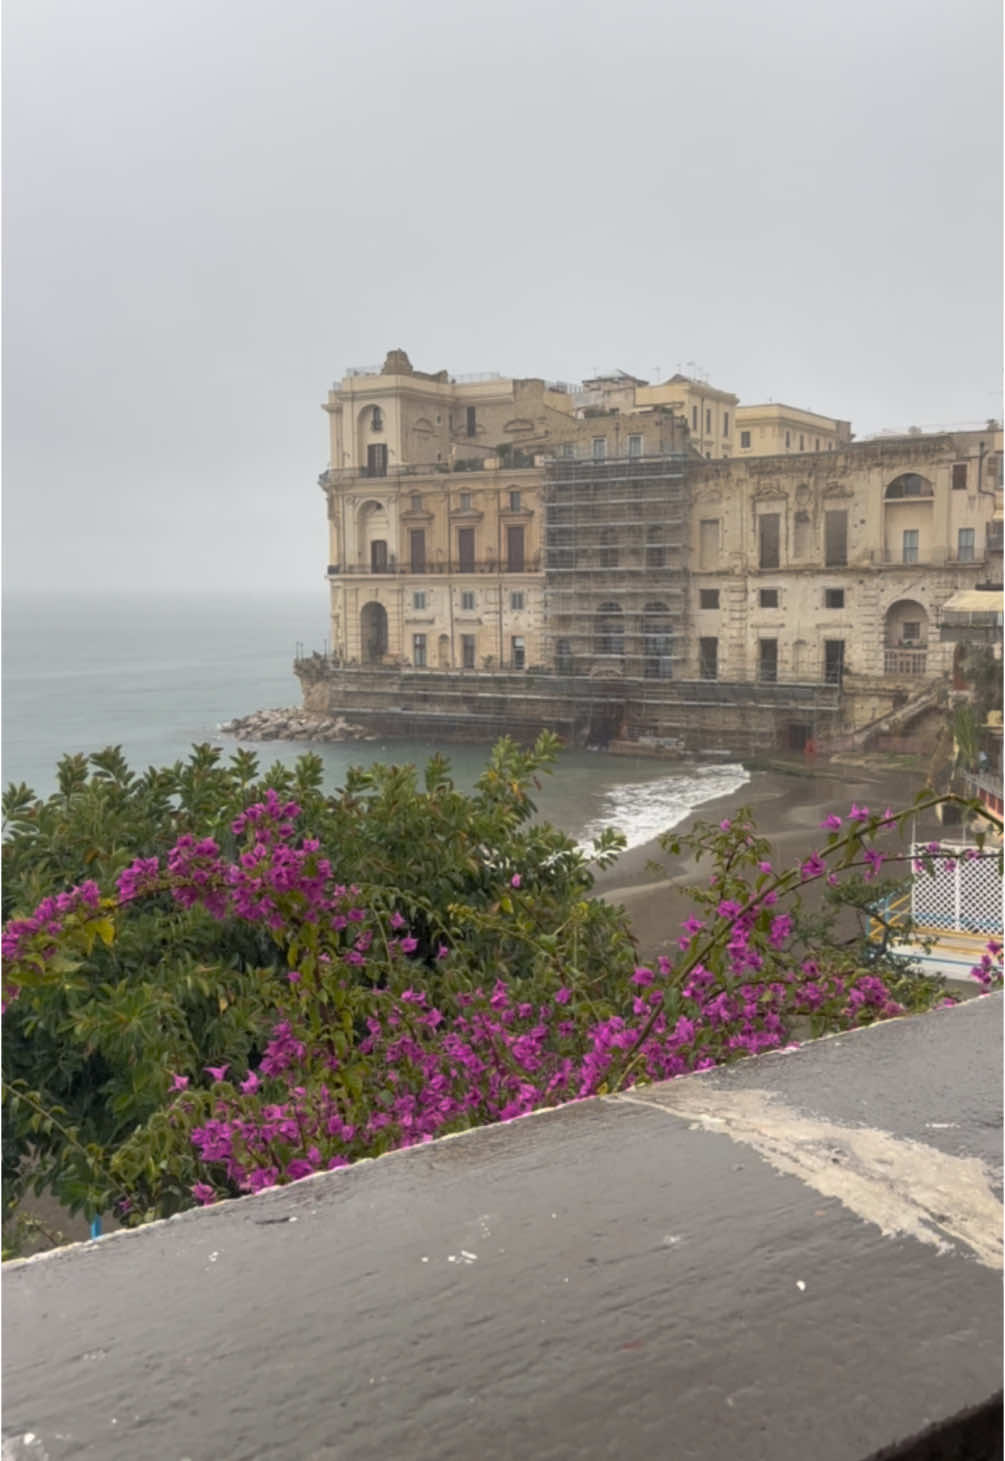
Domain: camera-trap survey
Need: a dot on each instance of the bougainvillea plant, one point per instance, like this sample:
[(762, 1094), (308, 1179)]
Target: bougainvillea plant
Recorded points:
[(379, 1022)]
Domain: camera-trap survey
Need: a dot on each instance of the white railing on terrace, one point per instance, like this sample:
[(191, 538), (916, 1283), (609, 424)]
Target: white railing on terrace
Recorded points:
[(905, 661), (475, 377), (354, 370), (962, 894)]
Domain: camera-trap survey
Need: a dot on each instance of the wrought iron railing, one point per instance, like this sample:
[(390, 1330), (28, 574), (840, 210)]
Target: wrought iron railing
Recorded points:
[(530, 564)]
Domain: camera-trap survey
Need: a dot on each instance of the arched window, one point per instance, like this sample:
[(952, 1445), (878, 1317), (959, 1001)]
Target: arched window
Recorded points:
[(909, 484), (609, 630), (656, 641), (376, 419)]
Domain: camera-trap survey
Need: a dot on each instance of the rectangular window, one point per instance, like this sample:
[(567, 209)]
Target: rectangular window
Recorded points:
[(518, 652), (768, 598), (965, 542), (788, 439), (568, 448), (744, 438), (910, 631), (514, 550), (635, 446), (910, 545), (802, 535), (959, 476), (419, 651), (833, 598), (833, 661), (708, 421), (417, 550), (514, 502), (464, 501), (656, 553), (467, 603), (466, 550), (816, 444), (801, 443), (516, 602), (769, 526), (378, 556), (708, 598), (472, 422), (467, 651), (694, 418), (725, 423), (708, 659), (416, 502), (418, 601), (767, 662), (708, 543), (599, 448), (836, 538), (376, 459)]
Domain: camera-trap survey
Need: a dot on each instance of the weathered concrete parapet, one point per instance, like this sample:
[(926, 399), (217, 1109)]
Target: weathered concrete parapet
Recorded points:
[(797, 1256)]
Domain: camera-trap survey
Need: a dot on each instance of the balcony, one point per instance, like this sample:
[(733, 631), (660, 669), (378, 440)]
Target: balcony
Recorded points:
[(393, 569), (899, 660), (333, 476)]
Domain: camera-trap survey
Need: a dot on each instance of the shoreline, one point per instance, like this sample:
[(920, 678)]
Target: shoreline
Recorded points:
[(788, 809)]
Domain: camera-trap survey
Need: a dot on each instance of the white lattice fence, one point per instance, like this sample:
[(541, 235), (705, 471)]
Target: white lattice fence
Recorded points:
[(958, 894)]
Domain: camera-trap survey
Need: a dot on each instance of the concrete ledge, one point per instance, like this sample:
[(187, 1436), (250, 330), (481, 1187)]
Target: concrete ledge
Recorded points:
[(798, 1256)]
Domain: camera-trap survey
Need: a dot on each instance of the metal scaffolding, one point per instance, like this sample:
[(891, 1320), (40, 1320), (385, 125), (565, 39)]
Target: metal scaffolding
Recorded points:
[(615, 603)]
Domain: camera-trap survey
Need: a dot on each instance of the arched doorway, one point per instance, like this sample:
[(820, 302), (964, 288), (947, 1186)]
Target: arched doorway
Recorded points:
[(373, 632)]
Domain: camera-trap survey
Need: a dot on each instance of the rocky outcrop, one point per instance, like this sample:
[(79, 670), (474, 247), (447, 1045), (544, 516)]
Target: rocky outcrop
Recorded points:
[(294, 724)]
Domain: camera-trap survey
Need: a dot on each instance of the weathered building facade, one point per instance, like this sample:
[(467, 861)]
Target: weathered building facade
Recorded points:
[(612, 560), (833, 567)]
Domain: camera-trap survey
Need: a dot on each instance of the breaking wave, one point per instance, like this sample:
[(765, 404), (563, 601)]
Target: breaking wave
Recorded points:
[(642, 810)]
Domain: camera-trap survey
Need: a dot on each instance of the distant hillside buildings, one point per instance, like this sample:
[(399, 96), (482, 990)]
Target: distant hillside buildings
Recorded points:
[(628, 547)]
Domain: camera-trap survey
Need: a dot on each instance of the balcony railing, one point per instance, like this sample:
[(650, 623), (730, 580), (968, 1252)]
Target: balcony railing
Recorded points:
[(987, 782), (905, 661), (531, 564), (333, 475)]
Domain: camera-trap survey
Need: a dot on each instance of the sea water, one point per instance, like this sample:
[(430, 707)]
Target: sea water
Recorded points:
[(159, 674)]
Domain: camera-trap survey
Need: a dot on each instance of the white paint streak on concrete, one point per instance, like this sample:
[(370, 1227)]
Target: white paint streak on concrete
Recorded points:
[(903, 1186)]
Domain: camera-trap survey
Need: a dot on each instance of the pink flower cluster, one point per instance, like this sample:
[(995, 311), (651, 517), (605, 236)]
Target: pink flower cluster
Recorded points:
[(35, 938), (361, 1058)]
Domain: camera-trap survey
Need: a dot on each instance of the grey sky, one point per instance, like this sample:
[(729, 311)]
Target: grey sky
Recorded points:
[(213, 207)]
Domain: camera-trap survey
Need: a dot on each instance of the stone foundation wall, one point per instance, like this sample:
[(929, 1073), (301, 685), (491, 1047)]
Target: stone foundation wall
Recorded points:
[(697, 715)]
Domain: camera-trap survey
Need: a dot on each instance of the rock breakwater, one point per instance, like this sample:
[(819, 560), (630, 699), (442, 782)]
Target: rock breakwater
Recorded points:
[(294, 724)]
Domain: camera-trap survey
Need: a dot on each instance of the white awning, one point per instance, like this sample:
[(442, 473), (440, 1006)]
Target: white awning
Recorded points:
[(974, 601)]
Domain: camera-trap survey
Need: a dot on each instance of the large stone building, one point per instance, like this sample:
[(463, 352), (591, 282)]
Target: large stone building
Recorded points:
[(660, 562), (834, 567)]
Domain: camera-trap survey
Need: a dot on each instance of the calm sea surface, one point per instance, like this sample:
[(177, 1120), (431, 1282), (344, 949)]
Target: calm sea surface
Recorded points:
[(156, 676)]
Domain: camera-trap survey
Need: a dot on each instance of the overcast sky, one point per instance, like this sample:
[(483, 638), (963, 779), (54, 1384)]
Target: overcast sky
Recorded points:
[(212, 208)]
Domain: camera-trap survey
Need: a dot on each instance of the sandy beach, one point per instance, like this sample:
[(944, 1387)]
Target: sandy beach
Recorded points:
[(788, 806)]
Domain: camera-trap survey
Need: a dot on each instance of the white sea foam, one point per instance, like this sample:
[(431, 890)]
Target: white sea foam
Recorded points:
[(642, 810)]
